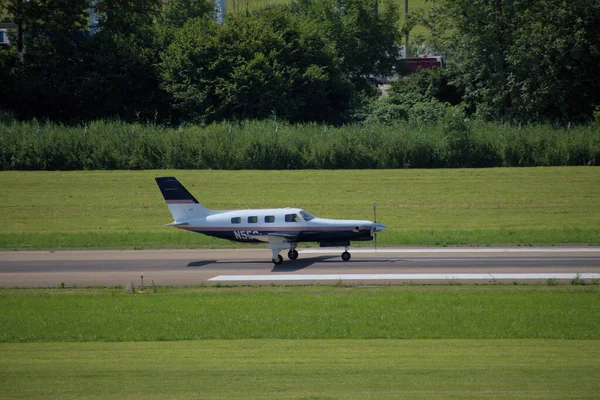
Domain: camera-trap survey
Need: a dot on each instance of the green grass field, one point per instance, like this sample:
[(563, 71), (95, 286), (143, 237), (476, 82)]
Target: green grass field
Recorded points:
[(124, 209), (285, 342), (405, 312), (302, 369)]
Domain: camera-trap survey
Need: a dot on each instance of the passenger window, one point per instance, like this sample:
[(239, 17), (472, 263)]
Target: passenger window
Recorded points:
[(252, 220), (236, 220), (270, 218), (292, 218)]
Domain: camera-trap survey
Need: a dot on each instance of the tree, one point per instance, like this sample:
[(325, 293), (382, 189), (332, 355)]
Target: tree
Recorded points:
[(253, 67), (14, 10), (555, 58), (173, 16), (49, 37), (126, 16), (528, 60), (365, 41), (56, 21), (70, 73), (121, 77), (175, 13), (422, 99), (437, 37)]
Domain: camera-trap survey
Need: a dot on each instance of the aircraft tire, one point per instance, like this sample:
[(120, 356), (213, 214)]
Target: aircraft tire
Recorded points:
[(293, 254), (278, 260), (346, 256)]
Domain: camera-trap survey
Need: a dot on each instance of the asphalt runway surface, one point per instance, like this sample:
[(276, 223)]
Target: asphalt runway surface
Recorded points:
[(254, 266)]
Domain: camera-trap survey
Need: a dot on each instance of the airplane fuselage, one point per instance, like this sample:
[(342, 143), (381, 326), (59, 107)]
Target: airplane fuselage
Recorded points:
[(280, 228), (255, 226)]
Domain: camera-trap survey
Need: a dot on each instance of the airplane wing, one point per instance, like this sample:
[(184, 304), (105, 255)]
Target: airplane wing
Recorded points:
[(275, 237)]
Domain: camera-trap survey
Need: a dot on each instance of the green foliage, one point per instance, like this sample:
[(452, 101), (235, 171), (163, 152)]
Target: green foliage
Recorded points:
[(52, 35), (531, 60), (365, 42), (436, 83), (72, 72), (121, 80), (423, 99), (46, 22), (576, 280), (294, 65), (437, 35), (419, 143), (6, 117), (175, 13), (126, 16), (270, 63), (303, 60)]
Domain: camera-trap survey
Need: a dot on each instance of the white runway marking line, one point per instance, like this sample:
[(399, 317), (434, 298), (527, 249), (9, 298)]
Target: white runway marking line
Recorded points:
[(463, 250), (391, 277)]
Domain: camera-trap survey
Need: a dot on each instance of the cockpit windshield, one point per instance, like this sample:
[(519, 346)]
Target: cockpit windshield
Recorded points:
[(306, 216)]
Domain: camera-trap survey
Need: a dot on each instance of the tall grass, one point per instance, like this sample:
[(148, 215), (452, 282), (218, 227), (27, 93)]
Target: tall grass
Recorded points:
[(272, 145)]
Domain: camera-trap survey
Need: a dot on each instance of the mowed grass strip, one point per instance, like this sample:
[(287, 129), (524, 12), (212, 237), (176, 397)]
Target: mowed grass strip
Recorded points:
[(172, 239), (407, 312), (124, 209), (308, 369)]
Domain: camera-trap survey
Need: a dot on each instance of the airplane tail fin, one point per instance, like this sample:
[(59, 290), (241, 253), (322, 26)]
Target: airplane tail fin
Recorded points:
[(181, 203)]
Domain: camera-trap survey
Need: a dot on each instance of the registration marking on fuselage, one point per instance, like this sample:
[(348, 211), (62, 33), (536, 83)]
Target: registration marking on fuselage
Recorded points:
[(400, 277)]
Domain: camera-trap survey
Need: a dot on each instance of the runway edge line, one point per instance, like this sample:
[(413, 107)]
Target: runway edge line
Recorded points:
[(391, 277)]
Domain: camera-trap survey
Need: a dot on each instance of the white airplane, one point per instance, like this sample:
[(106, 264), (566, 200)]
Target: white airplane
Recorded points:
[(280, 228)]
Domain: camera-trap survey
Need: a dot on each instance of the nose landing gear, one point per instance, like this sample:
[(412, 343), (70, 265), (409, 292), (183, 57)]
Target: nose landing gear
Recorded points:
[(277, 247), (278, 260)]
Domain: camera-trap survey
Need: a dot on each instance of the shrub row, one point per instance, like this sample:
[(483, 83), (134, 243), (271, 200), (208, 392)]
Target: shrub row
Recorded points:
[(272, 145)]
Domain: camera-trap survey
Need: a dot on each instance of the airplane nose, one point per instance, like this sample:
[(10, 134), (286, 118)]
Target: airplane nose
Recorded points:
[(377, 227)]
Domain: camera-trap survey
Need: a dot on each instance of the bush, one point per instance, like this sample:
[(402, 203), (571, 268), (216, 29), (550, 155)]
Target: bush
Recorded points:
[(453, 142)]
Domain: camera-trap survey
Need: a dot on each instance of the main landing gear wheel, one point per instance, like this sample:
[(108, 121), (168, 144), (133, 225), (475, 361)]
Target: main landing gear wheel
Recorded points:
[(293, 254), (278, 260), (345, 256)]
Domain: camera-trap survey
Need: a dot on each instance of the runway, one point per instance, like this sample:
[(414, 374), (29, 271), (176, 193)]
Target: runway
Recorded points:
[(253, 266)]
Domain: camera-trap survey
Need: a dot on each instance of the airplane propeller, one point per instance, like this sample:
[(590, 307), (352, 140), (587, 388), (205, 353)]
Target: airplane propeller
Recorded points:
[(374, 222)]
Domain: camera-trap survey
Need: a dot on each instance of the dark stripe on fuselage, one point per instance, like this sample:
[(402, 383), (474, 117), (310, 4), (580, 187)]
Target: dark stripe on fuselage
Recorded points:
[(321, 235), (289, 229)]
